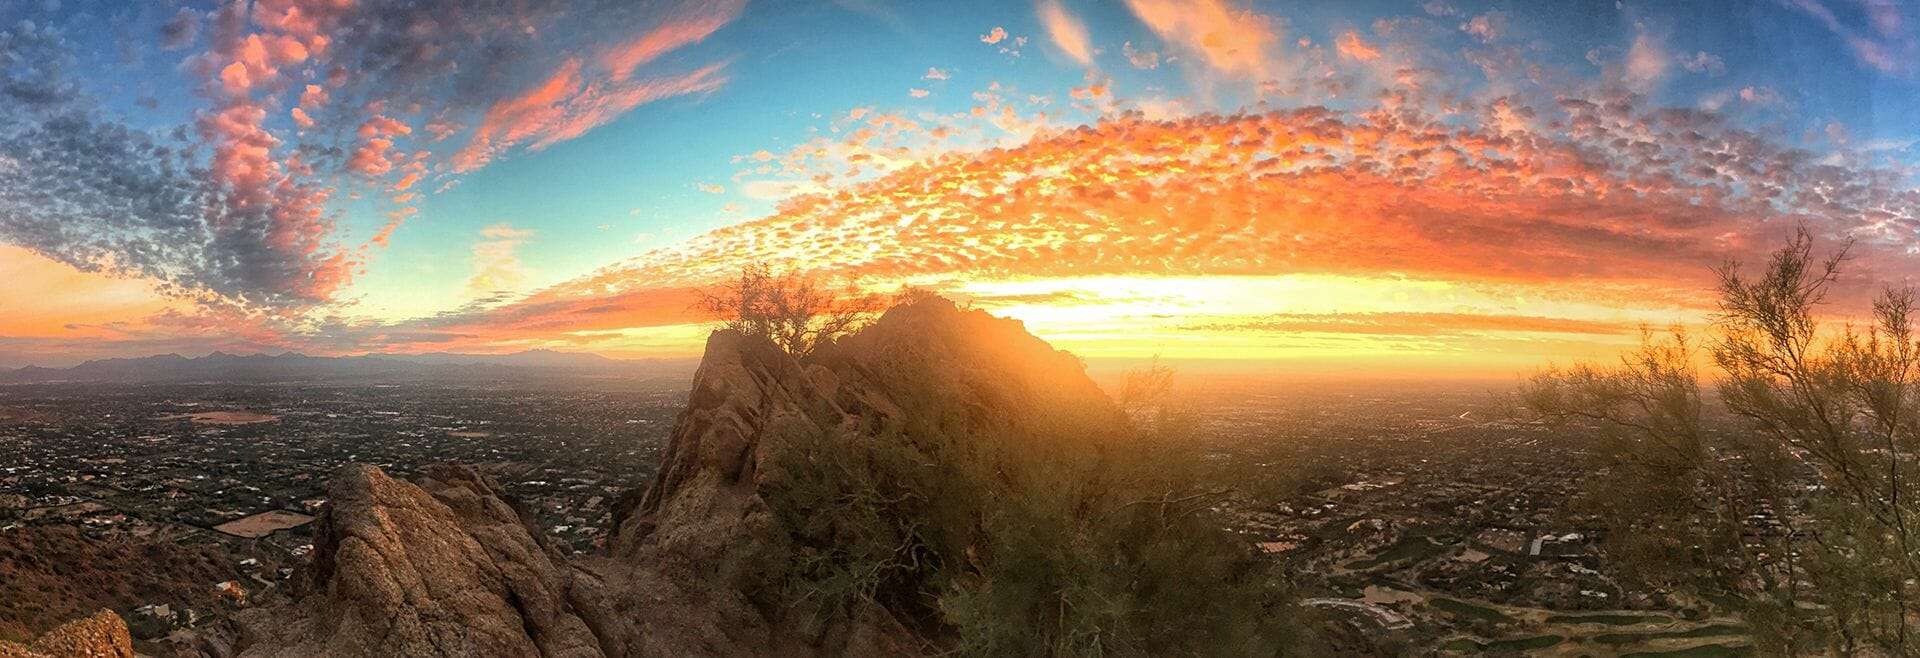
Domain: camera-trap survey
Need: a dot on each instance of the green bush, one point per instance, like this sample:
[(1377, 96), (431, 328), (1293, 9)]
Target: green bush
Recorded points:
[(1011, 546)]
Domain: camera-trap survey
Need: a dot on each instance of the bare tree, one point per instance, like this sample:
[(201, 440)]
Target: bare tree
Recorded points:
[(795, 311), (1145, 389)]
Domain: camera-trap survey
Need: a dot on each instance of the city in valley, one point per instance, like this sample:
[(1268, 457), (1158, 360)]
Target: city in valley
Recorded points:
[(1415, 514)]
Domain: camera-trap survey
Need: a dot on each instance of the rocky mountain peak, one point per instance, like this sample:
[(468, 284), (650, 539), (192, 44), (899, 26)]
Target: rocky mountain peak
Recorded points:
[(449, 566)]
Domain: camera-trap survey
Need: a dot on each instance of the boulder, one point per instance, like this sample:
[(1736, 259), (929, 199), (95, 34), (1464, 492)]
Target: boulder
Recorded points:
[(445, 567)]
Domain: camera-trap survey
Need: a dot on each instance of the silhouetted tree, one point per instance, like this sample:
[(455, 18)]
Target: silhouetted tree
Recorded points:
[(795, 311), (1834, 423), (1145, 388)]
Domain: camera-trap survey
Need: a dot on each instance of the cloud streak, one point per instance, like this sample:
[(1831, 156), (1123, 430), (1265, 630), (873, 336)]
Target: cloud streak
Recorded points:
[(1066, 30)]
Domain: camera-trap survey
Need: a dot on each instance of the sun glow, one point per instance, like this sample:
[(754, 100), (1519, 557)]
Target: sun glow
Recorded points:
[(1306, 318)]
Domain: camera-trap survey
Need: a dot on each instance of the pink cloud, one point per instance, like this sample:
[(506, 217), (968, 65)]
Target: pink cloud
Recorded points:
[(566, 105), (679, 31), (313, 96), (377, 139), (1068, 33)]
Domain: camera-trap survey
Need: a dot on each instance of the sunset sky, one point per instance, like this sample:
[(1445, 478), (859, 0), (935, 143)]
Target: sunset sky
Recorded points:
[(1427, 187)]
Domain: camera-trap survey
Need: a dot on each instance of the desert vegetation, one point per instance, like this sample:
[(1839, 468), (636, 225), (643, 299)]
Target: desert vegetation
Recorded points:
[(1014, 538), (1799, 512), (796, 311)]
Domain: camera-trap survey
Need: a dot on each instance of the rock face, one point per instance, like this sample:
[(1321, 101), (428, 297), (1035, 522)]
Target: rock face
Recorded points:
[(445, 567), (104, 635), (449, 567), (924, 366)]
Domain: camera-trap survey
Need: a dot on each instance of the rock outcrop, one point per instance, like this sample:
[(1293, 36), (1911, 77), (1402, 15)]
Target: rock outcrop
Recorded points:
[(703, 529), (103, 635), (449, 567), (445, 567)]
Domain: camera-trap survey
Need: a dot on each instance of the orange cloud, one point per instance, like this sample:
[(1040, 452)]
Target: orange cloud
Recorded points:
[(1227, 38), (1351, 46), (1068, 33), (1603, 204)]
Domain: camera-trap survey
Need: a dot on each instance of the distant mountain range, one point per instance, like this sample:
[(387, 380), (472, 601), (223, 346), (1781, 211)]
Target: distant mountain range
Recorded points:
[(293, 366)]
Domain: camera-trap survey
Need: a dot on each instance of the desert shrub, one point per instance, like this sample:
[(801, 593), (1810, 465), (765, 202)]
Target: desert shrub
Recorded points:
[(1125, 569), (796, 311), (998, 542), (1822, 460)]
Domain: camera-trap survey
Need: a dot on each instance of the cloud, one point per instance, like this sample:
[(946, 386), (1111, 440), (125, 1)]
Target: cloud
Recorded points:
[(377, 133), (934, 73), (301, 98), (1646, 62), (1584, 200), (1227, 39), (993, 36), (918, 93), (1140, 59), (1352, 47), (1066, 30), (1570, 193), (1703, 62), (1422, 324), (181, 30), (1439, 8), (694, 24), (497, 269), (1760, 95), (313, 97), (711, 188), (1885, 45), (567, 105), (1486, 27)]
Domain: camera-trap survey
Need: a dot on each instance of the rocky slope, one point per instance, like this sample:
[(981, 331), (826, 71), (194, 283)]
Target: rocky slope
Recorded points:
[(103, 635), (448, 566), (50, 574)]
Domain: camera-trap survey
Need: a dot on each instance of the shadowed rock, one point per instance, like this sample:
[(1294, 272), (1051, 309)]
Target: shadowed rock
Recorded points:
[(104, 635)]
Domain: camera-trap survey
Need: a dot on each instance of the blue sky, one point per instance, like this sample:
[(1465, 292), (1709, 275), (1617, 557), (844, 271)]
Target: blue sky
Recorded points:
[(621, 160)]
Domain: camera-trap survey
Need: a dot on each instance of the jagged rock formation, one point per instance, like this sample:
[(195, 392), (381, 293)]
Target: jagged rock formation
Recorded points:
[(103, 635), (925, 366), (448, 566), (445, 567)]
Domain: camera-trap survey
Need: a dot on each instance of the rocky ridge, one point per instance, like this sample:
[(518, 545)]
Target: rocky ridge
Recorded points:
[(451, 566)]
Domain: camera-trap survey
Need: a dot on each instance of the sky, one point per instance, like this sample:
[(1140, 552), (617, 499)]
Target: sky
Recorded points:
[(1434, 187)]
